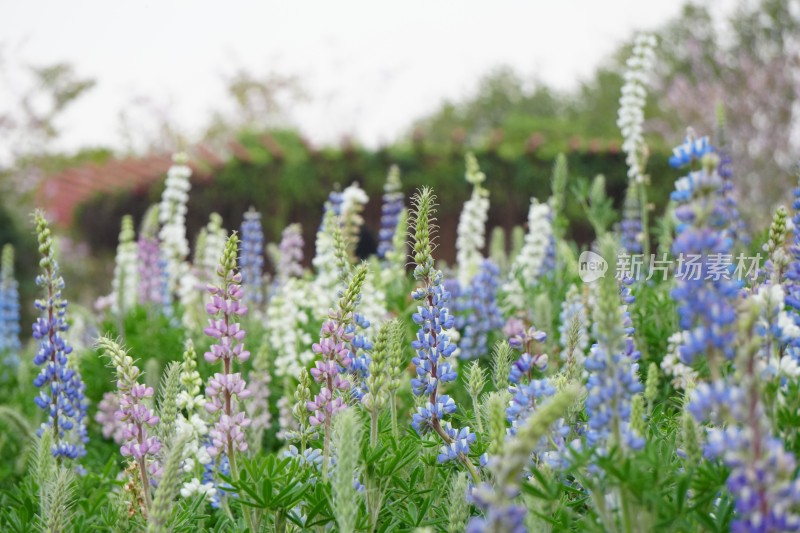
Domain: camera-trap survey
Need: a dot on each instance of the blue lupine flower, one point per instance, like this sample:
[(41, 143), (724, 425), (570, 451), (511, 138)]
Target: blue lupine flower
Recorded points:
[(705, 295), (525, 400), (359, 349), (792, 274), (459, 443), (631, 225), (737, 227), (611, 385), (251, 258), (482, 313), (9, 309), (62, 397), (432, 345), (573, 309), (509, 518), (422, 420), (763, 474), (311, 456), (692, 149), (390, 211), (208, 478)]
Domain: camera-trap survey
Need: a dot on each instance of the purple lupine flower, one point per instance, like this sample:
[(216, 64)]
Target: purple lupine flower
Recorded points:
[(135, 416), (706, 296), (290, 257), (390, 211), (529, 341), (226, 389), (150, 274), (328, 371), (106, 417), (334, 351), (62, 395), (251, 257), (483, 315)]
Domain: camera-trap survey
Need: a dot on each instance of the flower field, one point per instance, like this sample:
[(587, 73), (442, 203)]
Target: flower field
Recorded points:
[(646, 381)]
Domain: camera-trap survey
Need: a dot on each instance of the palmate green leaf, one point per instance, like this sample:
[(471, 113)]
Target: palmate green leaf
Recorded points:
[(190, 515), (318, 511)]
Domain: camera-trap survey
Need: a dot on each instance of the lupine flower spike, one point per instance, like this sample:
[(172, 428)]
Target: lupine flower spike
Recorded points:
[(335, 358), (471, 231), (227, 389), (9, 309), (390, 211), (126, 276), (432, 345), (137, 418), (62, 395), (251, 257)]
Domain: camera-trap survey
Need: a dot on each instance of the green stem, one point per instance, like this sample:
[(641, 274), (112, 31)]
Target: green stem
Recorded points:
[(373, 428), (248, 518), (393, 409), (478, 420), (645, 219), (627, 526), (326, 448)]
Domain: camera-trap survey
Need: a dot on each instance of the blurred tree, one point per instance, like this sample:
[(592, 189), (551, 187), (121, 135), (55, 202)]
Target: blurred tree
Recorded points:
[(752, 68), (260, 103), (502, 96)]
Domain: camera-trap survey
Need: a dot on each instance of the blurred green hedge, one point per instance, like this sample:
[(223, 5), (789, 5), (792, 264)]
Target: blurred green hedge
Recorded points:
[(289, 182)]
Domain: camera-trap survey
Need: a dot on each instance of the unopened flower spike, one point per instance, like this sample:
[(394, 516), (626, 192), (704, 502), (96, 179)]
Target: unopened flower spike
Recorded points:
[(126, 275)]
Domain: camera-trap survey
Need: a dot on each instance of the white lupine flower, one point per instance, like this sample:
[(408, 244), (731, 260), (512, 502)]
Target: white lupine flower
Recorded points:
[(125, 285), (216, 236), (682, 375), (630, 119), (770, 299), (373, 299), (172, 217), (353, 197), (353, 200), (190, 488), (786, 367), (286, 323), (527, 266), (471, 231), (325, 263)]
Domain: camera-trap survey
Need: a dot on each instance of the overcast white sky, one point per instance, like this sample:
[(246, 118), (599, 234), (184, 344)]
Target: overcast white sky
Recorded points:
[(370, 67)]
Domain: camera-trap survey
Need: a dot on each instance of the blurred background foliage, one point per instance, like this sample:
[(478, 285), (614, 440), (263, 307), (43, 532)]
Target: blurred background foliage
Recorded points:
[(515, 125)]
